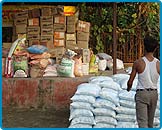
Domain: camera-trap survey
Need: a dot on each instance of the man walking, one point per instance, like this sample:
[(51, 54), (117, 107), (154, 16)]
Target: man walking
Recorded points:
[(148, 69)]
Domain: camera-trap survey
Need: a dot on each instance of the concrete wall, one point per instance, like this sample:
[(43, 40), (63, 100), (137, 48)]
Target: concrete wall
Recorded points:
[(38, 92)]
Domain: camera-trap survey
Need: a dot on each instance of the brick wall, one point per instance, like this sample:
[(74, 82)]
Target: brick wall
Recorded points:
[(38, 92)]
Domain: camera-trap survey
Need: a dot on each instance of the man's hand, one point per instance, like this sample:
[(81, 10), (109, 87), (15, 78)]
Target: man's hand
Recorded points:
[(128, 89), (129, 85)]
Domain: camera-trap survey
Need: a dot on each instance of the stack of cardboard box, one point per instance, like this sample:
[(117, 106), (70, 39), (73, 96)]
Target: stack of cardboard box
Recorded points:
[(33, 28), (49, 27), (71, 32), (83, 29), (20, 22), (59, 31), (33, 31), (47, 31)]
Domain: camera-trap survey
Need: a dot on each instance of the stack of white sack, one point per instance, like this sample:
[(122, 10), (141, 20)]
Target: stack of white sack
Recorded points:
[(104, 107), (157, 115), (126, 112), (157, 111), (81, 108), (103, 103), (122, 80), (119, 77), (100, 79)]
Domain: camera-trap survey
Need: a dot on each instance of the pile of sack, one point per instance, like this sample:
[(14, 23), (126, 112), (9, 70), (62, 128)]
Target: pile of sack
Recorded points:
[(37, 61), (104, 102)]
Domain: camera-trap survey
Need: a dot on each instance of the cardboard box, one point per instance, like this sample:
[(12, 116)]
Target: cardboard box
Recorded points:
[(33, 22), (21, 28), (71, 42), (82, 44), (19, 21), (6, 45), (59, 42), (71, 45), (33, 42), (34, 13), (58, 10), (59, 35), (71, 28), (46, 11), (60, 20), (86, 56), (22, 14), (83, 26), (54, 10), (82, 36), (70, 37), (48, 44), (60, 51), (47, 40), (33, 36), (48, 19), (57, 51), (72, 20), (46, 25), (59, 27), (47, 31), (33, 30)]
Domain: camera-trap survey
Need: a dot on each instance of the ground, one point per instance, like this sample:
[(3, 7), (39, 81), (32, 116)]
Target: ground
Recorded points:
[(34, 118)]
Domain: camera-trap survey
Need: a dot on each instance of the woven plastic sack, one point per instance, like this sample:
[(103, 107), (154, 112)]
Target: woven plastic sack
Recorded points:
[(126, 118), (110, 95), (104, 112), (125, 95), (126, 103), (103, 125), (123, 84), (156, 122), (157, 113), (104, 56), (118, 77), (81, 105), (83, 98), (80, 113), (102, 64), (103, 103), (126, 125), (66, 68), (106, 119), (83, 120), (88, 89), (99, 79), (125, 110), (111, 85), (37, 49), (80, 126)]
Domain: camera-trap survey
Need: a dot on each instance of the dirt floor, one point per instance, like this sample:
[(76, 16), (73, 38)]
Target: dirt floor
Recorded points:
[(34, 118)]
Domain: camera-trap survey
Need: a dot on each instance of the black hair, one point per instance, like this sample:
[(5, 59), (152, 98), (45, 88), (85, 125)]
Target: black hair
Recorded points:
[(150, 43)]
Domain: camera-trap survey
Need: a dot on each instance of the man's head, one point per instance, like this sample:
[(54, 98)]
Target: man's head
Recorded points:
[(150, 44)]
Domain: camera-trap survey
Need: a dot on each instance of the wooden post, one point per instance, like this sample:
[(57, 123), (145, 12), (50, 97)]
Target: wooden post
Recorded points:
[(114, 37)]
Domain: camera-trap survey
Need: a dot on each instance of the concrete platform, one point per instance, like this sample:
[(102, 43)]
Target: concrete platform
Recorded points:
[(42, 92)]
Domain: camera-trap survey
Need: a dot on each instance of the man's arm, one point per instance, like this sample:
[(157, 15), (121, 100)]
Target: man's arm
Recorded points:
[(158, 66), (132, 76)]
